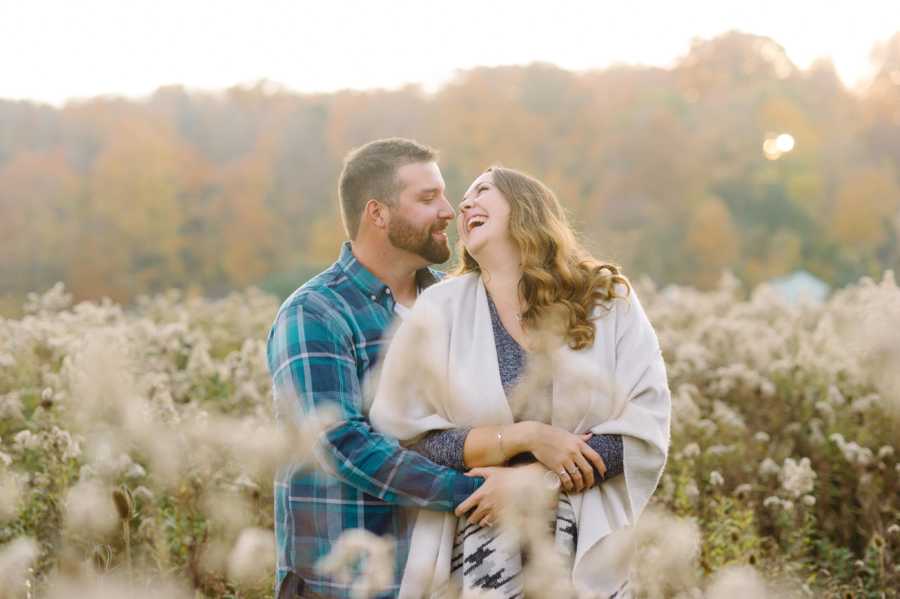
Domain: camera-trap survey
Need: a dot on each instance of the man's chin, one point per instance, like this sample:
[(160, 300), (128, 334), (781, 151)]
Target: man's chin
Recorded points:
[(436, 254), (431, 250)]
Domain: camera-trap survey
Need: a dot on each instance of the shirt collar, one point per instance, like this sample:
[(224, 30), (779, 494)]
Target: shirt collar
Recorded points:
[(369, 283)]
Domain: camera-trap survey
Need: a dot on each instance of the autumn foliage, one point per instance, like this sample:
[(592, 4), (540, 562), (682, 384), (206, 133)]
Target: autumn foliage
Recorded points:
[(663, 171)]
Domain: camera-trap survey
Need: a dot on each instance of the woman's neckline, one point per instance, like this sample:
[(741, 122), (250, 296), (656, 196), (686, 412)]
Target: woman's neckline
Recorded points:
[(495, 315)]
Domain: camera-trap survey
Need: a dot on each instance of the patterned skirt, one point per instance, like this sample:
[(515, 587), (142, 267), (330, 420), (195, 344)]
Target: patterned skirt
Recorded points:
[(486, 558)]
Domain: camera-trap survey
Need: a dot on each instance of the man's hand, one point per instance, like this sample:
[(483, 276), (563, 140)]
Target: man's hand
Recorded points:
[(567, 455), (502, 487)]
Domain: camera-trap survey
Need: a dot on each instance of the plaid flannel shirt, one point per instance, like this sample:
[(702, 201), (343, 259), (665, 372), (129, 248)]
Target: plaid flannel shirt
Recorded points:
[(326, 336)]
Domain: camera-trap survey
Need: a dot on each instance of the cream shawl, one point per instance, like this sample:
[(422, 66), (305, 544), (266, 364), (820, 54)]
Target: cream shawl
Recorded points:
[(441, 372)]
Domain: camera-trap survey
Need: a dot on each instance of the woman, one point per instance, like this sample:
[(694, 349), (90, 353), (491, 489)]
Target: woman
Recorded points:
[(459, 353)]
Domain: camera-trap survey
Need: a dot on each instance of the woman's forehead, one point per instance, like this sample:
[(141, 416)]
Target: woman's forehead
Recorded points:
[(485, 177)]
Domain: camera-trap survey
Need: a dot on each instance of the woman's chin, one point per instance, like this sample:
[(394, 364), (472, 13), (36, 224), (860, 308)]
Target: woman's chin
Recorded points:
[(474, 248)]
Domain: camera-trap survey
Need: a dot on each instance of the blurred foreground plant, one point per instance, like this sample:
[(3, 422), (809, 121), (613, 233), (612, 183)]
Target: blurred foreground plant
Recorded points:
[(137, 449)]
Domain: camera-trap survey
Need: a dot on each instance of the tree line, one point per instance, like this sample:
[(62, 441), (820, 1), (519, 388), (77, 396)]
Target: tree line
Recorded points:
[(672, 172)]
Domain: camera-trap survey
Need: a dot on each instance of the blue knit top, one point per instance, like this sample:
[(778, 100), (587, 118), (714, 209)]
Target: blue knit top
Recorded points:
[(446, 447)]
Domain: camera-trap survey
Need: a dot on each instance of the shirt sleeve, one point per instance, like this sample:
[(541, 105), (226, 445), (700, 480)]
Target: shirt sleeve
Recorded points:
[(444, 447), (610, 448), (311, 356)]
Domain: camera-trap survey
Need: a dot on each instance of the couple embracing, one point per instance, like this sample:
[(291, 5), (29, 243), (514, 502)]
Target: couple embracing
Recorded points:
[(429, 458)]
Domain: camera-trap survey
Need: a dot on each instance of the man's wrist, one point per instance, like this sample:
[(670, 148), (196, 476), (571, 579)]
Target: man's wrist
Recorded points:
[(536, 467), (463, 486)]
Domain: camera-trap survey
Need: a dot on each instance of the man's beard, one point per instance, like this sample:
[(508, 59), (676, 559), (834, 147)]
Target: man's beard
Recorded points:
[(404, 236)]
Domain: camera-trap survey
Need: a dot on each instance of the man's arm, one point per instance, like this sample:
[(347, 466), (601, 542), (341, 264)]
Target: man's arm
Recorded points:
[(312, 359)]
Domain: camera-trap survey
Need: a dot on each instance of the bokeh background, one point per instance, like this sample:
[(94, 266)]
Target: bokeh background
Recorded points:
[(149, 146), (160, 162)]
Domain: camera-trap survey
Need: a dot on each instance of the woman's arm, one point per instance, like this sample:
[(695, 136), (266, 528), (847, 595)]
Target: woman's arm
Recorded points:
[(444, 447), (464, 448), (610, 448), (577, 463), (495, 445), (475, 447)]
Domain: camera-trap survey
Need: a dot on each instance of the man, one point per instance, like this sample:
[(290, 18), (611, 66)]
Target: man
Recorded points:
[(325, 338)]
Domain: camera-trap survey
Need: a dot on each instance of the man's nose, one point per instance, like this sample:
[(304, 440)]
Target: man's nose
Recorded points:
[(447, 211)]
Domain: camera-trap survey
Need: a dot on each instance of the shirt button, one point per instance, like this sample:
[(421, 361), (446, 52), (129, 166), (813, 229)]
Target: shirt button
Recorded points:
[(373, 298), (388, 291)]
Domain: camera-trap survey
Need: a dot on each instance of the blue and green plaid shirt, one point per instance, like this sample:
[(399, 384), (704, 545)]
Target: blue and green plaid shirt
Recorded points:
[(325, 338)]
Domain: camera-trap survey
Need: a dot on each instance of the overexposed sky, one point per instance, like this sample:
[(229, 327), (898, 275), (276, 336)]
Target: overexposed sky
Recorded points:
[(53, 50)]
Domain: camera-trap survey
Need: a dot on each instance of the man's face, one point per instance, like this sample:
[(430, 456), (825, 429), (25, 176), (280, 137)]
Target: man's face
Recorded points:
[(421, 213)]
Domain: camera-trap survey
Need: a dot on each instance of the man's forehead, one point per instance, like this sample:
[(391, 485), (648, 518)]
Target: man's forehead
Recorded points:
[(421, 175)]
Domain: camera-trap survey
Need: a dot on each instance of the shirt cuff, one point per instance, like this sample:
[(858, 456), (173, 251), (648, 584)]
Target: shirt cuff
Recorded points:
[(611, 450), (464, 486)]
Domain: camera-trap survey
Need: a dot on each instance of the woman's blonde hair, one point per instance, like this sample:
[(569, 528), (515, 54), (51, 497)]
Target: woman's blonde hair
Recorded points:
[(561, 282)]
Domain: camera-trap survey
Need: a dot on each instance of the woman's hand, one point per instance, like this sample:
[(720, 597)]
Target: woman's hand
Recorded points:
[(484, 506), (566, 454)]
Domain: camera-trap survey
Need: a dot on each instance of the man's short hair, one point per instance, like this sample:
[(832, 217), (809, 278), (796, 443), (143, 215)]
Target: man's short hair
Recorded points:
[(370, 171)]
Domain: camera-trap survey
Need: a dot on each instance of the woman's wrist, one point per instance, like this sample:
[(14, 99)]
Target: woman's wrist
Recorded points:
[(518, 438)]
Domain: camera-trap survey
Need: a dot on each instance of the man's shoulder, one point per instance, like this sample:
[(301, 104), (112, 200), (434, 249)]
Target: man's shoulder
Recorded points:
[(319, 298)]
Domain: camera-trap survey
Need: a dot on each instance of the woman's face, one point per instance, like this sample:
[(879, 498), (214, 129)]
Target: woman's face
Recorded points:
[(483, 216)]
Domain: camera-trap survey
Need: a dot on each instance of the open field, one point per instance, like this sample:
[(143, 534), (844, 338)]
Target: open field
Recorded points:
[(137, 447)]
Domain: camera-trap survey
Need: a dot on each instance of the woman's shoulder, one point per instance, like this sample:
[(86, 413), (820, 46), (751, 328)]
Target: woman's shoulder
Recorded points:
[(623, 315), (623, 304), (622, 294), (450, 288), (442, 300)]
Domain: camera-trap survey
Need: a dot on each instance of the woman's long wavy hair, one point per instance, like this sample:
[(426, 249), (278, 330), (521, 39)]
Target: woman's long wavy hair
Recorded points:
[(561, 282)]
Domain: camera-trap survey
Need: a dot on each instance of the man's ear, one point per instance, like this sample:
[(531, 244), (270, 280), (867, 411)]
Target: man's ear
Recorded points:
[(377, 214)]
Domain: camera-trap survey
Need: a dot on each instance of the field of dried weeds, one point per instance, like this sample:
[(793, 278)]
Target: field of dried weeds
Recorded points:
[(137, 448)]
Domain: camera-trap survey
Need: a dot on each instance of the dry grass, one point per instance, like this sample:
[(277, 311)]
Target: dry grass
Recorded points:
[(137, 449)]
